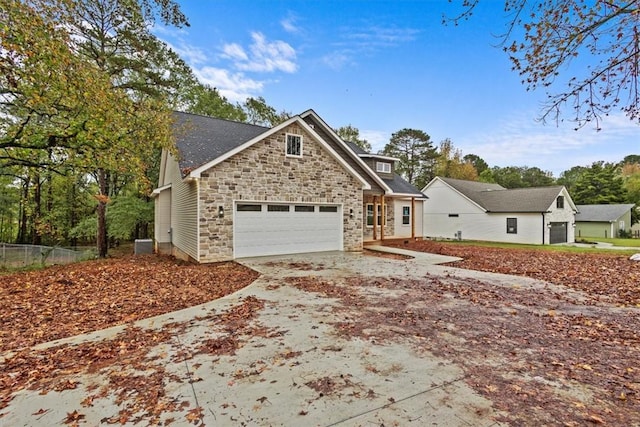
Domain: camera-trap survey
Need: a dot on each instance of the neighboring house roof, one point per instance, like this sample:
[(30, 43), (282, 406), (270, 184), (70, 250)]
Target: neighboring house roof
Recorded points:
[(601, 213), (496, 198), (200, 139)]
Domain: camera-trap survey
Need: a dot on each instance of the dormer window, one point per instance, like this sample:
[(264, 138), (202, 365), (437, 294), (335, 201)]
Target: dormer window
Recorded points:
[(294, 145), (383, 167)]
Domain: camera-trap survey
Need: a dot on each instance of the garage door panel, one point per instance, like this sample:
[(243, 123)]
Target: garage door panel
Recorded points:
[(276, 231)]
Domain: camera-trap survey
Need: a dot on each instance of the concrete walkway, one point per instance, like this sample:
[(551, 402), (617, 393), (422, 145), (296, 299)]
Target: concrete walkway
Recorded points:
[(290, 367)]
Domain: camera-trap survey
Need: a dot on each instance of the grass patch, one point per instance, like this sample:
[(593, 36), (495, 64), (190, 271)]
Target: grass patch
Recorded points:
[(634, 243), (550, 248)]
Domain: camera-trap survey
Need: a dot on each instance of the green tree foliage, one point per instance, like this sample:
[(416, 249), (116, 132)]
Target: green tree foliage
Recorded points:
[(207, 101), (517, 176), (416, 155), (597, 42), (601, 183), (570, 177), (352, 134), (450, 163), (260, 113)]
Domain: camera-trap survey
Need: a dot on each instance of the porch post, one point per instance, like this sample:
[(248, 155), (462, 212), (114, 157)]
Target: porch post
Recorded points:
[(413, 218), (375, 218), (382, 218)]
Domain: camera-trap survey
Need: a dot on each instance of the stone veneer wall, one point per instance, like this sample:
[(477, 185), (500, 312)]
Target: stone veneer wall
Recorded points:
[(389, 226), (262, 172)]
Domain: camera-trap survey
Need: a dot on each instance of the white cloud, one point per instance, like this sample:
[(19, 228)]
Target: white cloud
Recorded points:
[(520, 141), (236, 87), (234, 51), (377, 139), (289, 24), (377, 36), (337, 60), (263, 56), (191, 54), (355, 42)]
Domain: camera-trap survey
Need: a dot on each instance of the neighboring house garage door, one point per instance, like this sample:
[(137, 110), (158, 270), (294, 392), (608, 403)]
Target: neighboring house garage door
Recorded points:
[(558, 232), (278, 228)]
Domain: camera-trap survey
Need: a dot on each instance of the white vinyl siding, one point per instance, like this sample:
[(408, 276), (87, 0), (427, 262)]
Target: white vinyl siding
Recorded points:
[(162, 221), (404, 230), (184, 211)]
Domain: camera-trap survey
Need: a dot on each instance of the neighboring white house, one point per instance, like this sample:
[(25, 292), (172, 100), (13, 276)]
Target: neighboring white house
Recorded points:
[(473, 210)]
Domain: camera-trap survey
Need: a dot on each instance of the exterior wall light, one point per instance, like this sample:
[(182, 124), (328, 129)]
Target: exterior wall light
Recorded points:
[(220, 211)]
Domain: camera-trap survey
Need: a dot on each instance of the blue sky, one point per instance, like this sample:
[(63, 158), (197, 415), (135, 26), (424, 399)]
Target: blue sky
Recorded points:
[(384, 66)]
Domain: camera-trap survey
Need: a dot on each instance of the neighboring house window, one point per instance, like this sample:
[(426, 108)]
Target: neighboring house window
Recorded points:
[(512, 225), (560, 202), (294, 145), (383, 167), (406, 215), (621, 225), (370, 214)]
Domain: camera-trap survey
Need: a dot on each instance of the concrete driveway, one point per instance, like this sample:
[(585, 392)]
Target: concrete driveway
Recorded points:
[(294, 361)]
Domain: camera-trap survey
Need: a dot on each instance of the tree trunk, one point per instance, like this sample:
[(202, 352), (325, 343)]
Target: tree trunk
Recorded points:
[(23, 219), (36, 238), (101, 239)]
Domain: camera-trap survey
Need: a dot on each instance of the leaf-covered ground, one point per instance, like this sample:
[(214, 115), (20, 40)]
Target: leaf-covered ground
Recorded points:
[(610, 277), (62, 301)]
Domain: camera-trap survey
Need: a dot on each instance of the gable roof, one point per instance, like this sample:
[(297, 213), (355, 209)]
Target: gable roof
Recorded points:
[(601, 213), (204, 142), (495, 198), (200, 139), (397, 184)]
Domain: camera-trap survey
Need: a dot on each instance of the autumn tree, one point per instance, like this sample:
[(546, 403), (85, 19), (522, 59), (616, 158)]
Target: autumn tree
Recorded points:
[(596, 43), (416, 155), (478, 162), (450, 164), (352, 134), (115, 36)]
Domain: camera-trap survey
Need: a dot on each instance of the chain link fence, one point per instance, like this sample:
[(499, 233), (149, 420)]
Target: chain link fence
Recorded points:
[(16, 256)]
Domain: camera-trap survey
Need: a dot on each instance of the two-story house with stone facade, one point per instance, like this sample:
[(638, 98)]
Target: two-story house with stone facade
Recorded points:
[(236, 190)]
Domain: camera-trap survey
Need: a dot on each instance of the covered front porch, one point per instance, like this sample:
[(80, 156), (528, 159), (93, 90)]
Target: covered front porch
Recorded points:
[(391, 218)]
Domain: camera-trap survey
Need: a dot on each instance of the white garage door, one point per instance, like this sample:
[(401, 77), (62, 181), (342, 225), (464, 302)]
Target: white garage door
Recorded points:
[(278, 228)]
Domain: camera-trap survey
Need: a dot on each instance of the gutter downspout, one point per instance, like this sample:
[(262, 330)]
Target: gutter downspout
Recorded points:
[(543, 228)]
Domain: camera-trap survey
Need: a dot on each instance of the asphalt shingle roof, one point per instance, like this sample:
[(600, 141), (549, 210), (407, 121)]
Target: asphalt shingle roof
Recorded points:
[(401, 186), (201, 139), (601, 213), (495, 198)]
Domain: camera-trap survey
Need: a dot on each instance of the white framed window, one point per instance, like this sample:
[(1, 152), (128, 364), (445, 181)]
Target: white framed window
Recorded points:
[(406, 215), (383, 167), (293, 145), (370, 215)]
